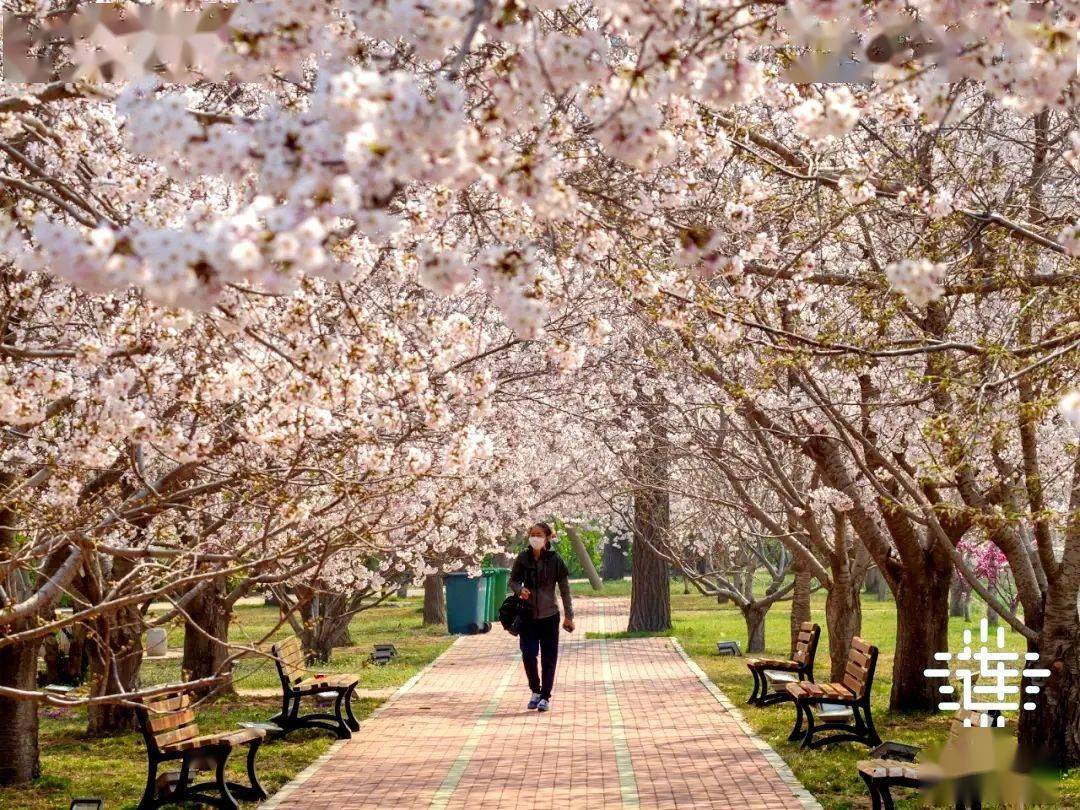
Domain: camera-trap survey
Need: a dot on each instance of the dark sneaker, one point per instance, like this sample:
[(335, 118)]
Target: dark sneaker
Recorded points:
[(543, 705), (535, 702)]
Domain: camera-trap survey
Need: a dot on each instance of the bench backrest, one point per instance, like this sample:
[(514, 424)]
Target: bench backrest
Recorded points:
[(806, 644), (289, 657), (861, 663), (167, 720)]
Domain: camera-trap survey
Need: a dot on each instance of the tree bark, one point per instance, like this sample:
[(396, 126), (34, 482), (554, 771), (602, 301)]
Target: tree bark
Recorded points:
[(584, 558), (922, 629), (754, 616), (206, 638), (434, 600), (19, 755), (650, 593), (843, 616), (800, 602), (1050, 733)]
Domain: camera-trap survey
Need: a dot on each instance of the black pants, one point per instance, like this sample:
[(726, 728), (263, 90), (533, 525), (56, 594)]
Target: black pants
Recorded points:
[(540, 636)]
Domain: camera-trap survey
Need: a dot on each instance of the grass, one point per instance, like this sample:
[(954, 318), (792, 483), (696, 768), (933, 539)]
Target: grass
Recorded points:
[(114, 768), (698, 623)]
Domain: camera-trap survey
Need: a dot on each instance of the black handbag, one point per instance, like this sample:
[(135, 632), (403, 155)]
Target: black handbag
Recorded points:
[(512, 613), (514, 610)]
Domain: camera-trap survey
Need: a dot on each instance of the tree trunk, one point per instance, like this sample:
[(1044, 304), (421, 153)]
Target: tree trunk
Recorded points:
[(843, 616), (206, 638), (800, 602), (19, 760), (434, 600), (922, 629), (650, 593), (754, 616), (959, 598), (584, 558), (1049, 734)]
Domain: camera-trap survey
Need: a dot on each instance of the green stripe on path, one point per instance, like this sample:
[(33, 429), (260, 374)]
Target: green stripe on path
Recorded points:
[(623, 764), (453, 776)]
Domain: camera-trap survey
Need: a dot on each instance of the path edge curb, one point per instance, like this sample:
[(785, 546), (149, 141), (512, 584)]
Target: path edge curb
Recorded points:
[(316, 765), (782, 769)]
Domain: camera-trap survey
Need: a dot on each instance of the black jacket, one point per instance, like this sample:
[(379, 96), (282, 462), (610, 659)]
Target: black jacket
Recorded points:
[(541, 576)]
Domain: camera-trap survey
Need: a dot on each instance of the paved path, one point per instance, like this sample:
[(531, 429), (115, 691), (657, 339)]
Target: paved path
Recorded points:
[(634, 723)]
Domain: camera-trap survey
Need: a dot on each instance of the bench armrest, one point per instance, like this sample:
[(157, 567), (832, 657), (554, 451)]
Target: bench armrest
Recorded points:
[(895, 750)]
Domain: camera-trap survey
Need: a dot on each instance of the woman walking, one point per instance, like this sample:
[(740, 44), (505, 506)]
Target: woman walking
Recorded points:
[(536, 572)]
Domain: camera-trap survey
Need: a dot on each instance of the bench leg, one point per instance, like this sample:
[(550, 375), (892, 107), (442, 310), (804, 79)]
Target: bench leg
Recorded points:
[(150, 792), (756, 693), (867, 720), (809, 735), (796, 731), (253, 791), (227, 800), (351, 721), (871, 786), (886, 797), (343, 730)]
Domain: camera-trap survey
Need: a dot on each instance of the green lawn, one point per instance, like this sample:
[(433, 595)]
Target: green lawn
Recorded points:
[(699, 622), (74, 764), (114, 768)]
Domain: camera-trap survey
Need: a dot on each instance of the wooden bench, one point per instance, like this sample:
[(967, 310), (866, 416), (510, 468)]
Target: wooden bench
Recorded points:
[(772, 675), (853, 694), (170, 733), (289, 658), (893, 765)]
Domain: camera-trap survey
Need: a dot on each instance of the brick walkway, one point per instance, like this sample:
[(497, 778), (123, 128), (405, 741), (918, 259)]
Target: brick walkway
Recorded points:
[(632, 725)]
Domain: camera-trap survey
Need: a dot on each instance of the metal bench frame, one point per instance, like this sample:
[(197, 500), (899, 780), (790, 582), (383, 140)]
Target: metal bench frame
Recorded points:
[(212, 755), (802, 665), (288, 658), (858, 685)]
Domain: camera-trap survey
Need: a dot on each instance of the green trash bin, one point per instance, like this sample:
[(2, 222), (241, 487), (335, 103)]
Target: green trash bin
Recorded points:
[(499, 583), (489, 596), (466, 603)]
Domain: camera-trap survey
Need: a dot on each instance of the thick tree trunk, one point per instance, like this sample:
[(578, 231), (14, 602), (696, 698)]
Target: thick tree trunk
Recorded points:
[(19, 760), (434, 600), (1050, 733), (959, 598), (650, 593), (922, 629), (843, 616), (206, 638), (800, 602), (754, 616)]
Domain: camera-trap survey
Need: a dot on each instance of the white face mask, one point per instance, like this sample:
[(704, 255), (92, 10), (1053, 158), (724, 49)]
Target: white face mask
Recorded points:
[(537, 542)]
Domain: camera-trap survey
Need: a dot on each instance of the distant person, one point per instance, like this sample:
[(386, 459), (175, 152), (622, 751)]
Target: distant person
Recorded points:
[(536, 572)]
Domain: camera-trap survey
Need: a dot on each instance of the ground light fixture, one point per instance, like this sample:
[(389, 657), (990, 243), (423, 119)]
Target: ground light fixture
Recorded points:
[(87, 804)]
